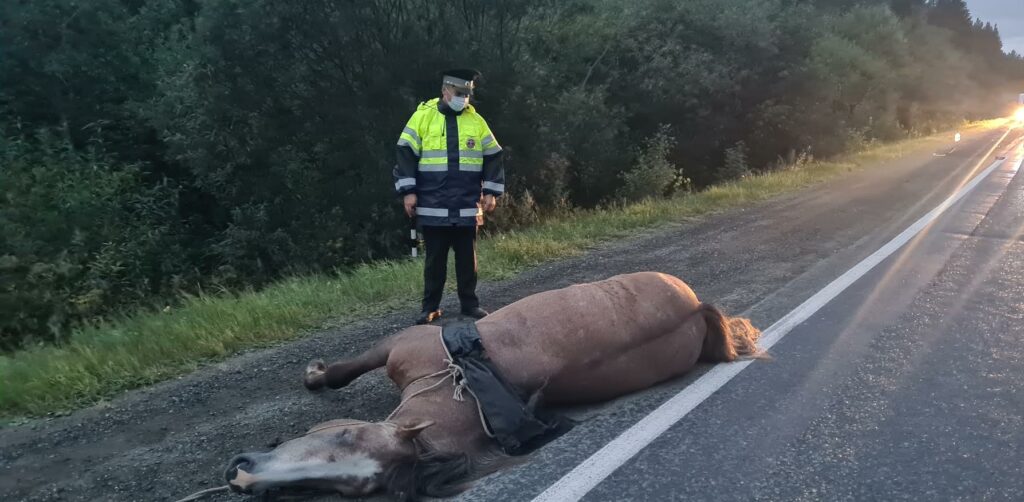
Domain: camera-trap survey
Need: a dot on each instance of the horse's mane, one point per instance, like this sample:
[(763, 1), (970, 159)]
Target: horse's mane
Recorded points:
[(433, 473)]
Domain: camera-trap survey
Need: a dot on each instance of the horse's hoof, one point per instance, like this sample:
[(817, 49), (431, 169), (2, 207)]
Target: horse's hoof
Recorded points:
[(314, 377), (316, 366)]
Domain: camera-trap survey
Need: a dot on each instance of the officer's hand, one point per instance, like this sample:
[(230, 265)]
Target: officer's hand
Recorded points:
[(489, 203), (410, 204)]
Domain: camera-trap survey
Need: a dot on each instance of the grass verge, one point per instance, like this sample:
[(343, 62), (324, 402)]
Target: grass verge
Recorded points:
[(103, 360)]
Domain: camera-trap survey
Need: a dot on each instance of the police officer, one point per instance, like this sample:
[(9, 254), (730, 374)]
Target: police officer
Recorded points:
[(449, 172)]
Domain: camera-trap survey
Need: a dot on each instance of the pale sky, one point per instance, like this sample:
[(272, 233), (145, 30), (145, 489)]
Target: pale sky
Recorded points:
[(1008, 15)]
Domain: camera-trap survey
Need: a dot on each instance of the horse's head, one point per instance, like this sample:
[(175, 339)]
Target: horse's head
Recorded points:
[(348, 456)]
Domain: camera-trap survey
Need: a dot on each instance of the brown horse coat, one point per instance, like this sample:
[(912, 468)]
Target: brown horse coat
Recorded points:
[(581, 344)]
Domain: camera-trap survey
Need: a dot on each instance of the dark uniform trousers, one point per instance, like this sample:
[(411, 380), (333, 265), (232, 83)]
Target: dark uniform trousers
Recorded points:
[(437, 241)]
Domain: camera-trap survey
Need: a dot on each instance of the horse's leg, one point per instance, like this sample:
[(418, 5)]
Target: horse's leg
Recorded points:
[(340, 373), (635, 368), (708, 337)]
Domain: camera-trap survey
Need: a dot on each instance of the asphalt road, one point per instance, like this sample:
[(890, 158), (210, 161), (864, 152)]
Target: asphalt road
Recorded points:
[(907, 386), (904, 386)]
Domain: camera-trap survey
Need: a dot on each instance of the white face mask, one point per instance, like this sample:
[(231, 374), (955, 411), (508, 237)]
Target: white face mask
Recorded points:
[(458, 103)]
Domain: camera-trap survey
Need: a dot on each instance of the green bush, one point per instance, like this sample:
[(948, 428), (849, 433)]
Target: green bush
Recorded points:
[(735, 166), (78, 237), (652, 174)]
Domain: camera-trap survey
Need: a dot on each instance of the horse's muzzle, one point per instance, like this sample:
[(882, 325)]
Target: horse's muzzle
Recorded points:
[(243, 462)]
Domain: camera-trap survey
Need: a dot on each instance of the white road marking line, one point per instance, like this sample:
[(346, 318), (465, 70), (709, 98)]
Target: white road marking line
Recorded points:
[(584, 477)]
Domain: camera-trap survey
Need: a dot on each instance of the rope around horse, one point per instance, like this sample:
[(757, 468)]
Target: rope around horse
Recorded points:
[(455, 372), (203, 493)]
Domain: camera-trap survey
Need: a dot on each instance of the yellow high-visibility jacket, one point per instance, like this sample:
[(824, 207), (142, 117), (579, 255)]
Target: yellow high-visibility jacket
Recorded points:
[(448, 159)]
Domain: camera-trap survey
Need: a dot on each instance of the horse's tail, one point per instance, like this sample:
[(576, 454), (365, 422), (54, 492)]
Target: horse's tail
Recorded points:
[(728, 337)]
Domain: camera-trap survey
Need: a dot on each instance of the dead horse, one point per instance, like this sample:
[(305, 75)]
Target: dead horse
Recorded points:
[(581, 344)]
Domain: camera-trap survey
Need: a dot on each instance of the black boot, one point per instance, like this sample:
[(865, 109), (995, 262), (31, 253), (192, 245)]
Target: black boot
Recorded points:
[(475, 313), (428, 317)]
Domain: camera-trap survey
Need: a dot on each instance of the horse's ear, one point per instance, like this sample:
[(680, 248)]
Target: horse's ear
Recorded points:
[(413, 428)]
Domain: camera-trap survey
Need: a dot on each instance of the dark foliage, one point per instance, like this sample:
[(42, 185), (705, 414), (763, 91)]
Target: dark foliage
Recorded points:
[(153, 147)]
